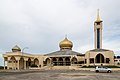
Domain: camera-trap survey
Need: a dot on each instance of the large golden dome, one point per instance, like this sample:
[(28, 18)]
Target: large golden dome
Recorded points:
[(66, 44)]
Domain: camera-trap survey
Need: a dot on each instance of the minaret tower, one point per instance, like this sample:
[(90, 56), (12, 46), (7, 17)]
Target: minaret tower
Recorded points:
[(98, 32)]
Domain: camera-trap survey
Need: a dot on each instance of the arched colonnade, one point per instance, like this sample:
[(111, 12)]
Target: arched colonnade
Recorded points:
[(60, 61), (22, 63)]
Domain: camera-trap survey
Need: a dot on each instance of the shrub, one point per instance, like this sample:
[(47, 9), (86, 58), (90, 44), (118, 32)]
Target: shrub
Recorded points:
[(34, 65), (88, 67), (1, 67)]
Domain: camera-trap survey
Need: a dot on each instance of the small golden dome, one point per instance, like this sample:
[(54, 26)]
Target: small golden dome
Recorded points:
[(16, 48), (66, 44)]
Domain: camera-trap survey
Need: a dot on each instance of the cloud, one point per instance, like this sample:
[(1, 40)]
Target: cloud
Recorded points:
[(42, 24)]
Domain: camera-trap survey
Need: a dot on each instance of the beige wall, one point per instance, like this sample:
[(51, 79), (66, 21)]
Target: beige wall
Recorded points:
[(107, 54), (20, 60)]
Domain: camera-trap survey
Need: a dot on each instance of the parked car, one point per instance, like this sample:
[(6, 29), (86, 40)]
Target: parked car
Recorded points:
[(103, 69)]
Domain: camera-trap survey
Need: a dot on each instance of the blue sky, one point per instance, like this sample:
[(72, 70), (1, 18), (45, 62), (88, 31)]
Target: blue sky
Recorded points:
[(42, 24)]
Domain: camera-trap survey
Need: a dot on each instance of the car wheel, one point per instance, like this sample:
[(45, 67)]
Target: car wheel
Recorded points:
[(109, 71), (97, 71)]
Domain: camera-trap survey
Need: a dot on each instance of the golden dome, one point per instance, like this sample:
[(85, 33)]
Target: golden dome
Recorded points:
[(16, 48), (66, 44)]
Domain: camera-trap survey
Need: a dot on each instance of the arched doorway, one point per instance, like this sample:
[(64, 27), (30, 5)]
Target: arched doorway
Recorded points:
[(13, 63), (67, 61), (36, 62), (21, 64), (47, 61), (29, 63), (60, 61), (99, 58), (74, 60)]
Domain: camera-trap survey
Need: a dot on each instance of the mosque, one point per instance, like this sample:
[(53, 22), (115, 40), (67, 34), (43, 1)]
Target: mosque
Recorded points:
[(17, 59)]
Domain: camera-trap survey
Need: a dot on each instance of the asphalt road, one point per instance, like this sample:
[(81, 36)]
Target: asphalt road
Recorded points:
[(58, 75)]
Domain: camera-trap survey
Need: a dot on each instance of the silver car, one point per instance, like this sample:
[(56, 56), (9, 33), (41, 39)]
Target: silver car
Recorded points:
[(103, 69)]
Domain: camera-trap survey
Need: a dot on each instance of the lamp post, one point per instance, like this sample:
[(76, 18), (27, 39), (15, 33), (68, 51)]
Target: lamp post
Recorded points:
[(24, 49), (24, 62)]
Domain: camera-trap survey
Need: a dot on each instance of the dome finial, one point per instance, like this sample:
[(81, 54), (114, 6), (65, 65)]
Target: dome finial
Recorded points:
[(66, 36), (98, 17)]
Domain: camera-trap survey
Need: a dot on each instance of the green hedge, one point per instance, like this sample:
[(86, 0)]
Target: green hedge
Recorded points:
[(34, 65), (1, 67), (88, 67)]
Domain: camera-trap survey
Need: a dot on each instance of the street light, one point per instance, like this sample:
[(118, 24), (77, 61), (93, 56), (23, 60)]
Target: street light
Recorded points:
[(24, 49)]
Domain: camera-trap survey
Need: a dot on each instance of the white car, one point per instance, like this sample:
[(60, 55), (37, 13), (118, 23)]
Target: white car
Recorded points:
[(103, 69)]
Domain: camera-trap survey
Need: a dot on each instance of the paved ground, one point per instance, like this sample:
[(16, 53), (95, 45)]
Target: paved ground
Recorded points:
[(58, 75)]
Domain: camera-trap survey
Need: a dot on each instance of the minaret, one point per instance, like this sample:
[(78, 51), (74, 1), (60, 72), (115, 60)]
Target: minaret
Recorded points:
[(98, 32)]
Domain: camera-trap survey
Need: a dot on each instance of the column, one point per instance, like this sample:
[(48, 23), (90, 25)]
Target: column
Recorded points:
[(88, 59), (64, 62), (24, 64), (4, 64), (57, 62), (18, 67), (41, 61), (94, 61), (104, 60), (15, 64), (12, 64), (7, 64)]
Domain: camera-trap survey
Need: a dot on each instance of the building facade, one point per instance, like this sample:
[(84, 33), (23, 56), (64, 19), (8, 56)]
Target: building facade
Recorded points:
[(99, 55), (17, 59)]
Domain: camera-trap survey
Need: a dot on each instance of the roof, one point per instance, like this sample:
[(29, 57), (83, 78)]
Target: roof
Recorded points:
[(64, 52), (99, 50)]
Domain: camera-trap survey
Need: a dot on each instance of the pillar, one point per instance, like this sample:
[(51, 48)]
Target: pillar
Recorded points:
[(41, 61), (24, 64), (12, 64), (15, 65), (88, 58), (4, 64), (64, 62), (18, 62), (8, 64), (57, 62)]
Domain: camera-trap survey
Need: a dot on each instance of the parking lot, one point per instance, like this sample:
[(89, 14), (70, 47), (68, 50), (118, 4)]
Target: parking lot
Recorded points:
[(58, 75)]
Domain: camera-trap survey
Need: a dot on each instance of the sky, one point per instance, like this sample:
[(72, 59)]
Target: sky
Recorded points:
[(41, 24)]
